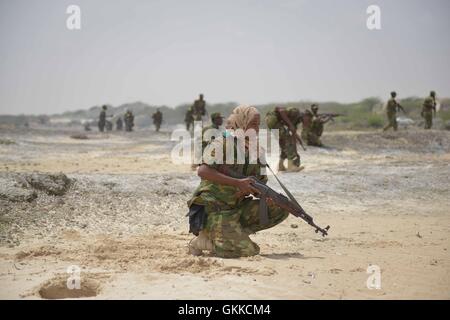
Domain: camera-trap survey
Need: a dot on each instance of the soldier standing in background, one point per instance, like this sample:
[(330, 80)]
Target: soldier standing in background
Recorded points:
[(428, 109), (199, 108), (157, 119), (392, 107), (102, 119), (189, 118), (217, 121), (313, 125), (129, 121), (286, 121)]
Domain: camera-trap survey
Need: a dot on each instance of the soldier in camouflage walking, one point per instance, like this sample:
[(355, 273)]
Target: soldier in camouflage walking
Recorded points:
[(157, 119), (189, 118), (129, 120), (199, 108), (429, 109), (102, 119), (231, 216), (391, 110), (286, 121)]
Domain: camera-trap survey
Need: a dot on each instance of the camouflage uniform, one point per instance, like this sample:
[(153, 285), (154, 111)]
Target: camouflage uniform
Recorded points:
[(315, 132), (102, 119), (391, 111), (213, 125), (288, 143), (232, 219), (129, 121), (429, 105), (199, 108), (157, 119), (189, 118), (312, 127)]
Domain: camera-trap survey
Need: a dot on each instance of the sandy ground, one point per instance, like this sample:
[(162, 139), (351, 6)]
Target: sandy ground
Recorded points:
[(122, 222)]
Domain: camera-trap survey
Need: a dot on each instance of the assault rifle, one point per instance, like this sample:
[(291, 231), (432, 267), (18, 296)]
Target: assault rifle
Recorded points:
[(289, 204), (330, 116)]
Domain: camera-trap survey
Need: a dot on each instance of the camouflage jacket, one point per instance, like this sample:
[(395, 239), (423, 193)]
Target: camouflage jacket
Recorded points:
[(274, 120), (429, 104), (223, 197), (392, 106)]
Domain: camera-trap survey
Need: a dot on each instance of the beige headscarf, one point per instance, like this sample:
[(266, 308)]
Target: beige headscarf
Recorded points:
[(241, 116), (240, 119)]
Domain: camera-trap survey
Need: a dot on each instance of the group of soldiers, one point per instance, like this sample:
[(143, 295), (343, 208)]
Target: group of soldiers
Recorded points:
[(428, 111), (222, 214), (286, 120), (106, 125)]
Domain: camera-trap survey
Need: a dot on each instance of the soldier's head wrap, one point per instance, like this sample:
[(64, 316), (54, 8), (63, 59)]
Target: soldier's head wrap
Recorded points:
[(242, 116)]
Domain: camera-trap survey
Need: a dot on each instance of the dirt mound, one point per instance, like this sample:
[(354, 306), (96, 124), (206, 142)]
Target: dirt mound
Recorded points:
[(60, 288), (22, 187), (38, 252), (52, 184), (15, 190)]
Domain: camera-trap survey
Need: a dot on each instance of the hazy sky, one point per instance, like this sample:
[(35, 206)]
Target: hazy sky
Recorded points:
[(255, 51)]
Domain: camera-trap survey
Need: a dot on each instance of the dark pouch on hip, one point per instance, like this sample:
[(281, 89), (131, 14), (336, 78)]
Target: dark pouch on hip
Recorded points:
[(197, 218)]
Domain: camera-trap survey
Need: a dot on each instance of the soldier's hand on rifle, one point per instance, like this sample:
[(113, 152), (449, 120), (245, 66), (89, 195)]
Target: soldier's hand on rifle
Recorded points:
[(245, 187), (269, 201)]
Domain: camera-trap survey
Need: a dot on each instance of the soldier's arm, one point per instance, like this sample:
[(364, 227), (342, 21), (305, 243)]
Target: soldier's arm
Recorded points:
[(400, 107), (244, 185), (286, 120), (326, 119)]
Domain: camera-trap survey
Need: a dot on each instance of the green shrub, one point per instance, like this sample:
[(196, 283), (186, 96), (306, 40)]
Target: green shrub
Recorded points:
[(444, 115), (375, 121)]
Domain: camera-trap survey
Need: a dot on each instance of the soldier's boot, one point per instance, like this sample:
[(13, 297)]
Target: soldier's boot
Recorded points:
[(281, 166), (202, 242), (292, 167)]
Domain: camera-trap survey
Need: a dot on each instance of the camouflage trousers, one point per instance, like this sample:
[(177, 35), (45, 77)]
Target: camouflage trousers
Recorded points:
[(311, 138), (392, 118), (229, 230), (428, 116), (288, 148)]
